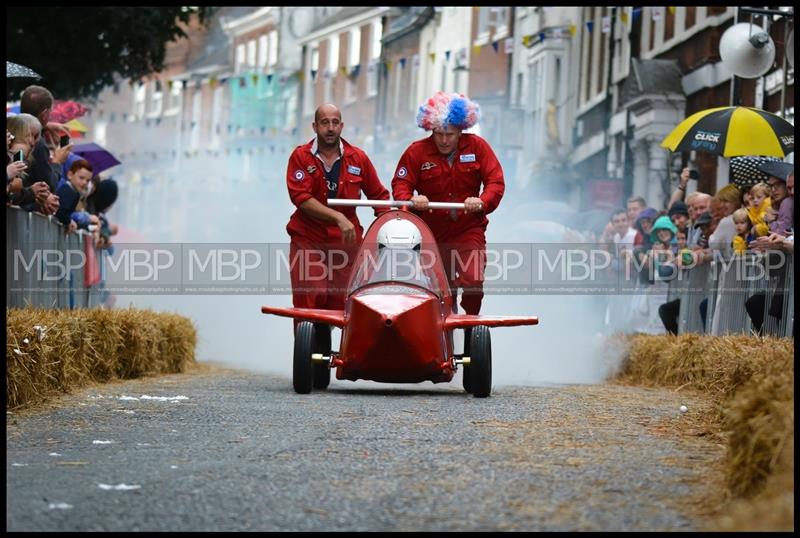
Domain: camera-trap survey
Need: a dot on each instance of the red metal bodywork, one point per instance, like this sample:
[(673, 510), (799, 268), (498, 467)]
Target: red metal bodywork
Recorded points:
[(395, 331)]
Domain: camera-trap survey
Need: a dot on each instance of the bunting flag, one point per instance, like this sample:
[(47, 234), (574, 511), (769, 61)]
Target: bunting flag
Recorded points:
[(402, 63), (636, 13), (169, 85), (269, 78), (447, 56), (223, 80), (356, 69), (313, 74), (509, 45), (255, 79), (415, 60), (495, 46), (185, 83), (573, 30), (158, 85), (213, 82), (606, 24), (242, 82), (388, 65), (432, 56), (623, 15), (672, 10), (343, 70), (476, 49), (526, 41), (590, 26), (541, 37), (556, 34)]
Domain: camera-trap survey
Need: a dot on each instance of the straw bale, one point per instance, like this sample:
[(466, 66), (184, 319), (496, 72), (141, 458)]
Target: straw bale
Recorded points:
[(752, 381), (90, 345)]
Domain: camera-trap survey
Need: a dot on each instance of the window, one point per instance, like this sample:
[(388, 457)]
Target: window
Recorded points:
[(333, 54), (251, 53), (216, 117), (157, 99), (557, 81), (499, 19), (412, 99), (376, 40), (273, 48), (197, 101), (483, 22), (398, 74), (373, 72), (374, 67), (262, 51), (173, 97), (309, 97), (354, 50), (240, 57), (139, 95)]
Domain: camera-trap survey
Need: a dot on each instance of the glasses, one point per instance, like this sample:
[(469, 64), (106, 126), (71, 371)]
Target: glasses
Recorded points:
[(774, 185)]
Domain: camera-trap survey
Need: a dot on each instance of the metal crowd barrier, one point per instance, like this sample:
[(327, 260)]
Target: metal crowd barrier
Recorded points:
[(694, 289), (738, 290), (34, 243), (778, 309)]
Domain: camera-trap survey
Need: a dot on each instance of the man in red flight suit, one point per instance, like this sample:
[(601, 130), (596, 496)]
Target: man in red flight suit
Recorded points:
[(326, 167), (451, 166)]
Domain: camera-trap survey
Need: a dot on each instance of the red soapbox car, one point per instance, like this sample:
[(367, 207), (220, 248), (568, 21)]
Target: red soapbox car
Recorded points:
[(399, 316)]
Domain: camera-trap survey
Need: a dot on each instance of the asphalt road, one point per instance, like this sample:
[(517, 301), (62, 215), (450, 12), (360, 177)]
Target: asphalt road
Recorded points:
[(243, 452)]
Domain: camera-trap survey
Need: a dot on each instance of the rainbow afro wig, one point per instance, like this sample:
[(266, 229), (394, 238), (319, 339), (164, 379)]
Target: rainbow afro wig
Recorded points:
[(445, 109)]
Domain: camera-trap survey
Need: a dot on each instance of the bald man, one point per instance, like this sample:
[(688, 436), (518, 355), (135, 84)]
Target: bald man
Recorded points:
[(326, 167)]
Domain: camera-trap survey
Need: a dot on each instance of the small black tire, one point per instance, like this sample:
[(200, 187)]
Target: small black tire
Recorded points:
[(322, 344), (466, 380), (480, 368), (302, 372)]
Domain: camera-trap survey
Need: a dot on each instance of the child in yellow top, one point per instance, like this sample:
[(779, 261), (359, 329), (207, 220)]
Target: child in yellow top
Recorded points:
[(741, 220), (760, 202)]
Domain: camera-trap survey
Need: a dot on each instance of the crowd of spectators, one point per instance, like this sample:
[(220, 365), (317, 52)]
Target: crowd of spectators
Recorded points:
[(694, 230), (43, 175)]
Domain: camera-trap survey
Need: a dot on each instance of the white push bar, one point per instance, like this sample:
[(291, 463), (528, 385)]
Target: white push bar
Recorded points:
[(333, 202)]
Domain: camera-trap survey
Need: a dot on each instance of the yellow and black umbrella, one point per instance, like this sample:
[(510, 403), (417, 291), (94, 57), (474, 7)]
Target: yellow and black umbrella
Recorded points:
[(731, 131)]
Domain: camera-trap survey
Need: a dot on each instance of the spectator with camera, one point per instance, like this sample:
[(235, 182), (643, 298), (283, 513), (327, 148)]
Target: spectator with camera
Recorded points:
[(34, 195)]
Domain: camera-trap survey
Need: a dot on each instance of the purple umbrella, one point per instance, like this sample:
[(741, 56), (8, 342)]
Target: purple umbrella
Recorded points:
[(99, 157)]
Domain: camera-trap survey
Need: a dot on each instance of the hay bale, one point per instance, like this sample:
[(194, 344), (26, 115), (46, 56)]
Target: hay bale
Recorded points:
[(752, 381), (90, 345)]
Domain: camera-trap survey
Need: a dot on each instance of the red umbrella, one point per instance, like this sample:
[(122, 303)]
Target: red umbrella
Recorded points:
[(64, 111)]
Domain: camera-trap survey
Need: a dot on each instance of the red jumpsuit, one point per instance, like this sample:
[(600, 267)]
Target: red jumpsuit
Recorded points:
[(317, 284), (461, 237)]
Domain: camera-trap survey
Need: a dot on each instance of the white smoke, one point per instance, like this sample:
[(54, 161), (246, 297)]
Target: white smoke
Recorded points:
[(206, 204)]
